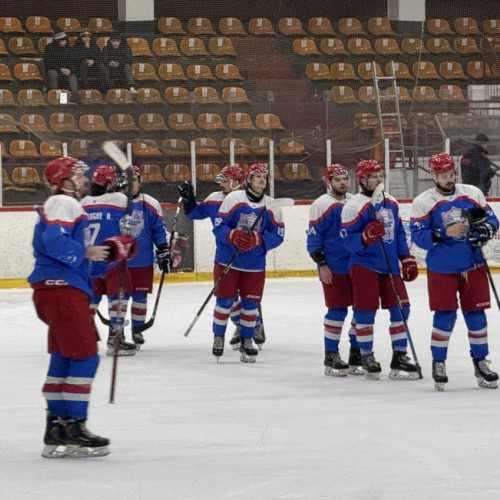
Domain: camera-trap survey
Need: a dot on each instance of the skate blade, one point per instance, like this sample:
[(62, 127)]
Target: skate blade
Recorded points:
[(137, 347), (245, 358), (332, 372), (439, 386), (86, 452), (54, 451), (111, 352), (355, 370), (236, 347), (372, 376), (402, 375), (487, 385)]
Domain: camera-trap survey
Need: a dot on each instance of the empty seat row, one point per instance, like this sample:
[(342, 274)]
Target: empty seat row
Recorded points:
[(62, 122), (42, 24)]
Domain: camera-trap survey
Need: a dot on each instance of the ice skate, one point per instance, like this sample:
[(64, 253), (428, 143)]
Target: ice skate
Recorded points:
[(124, 348), (355, 361), (439, 375), (81, 443), (53, 439), (259, 336), (401, 368), (485, 377), (248, 353), (334, 366), (371, 367), (235, 341), (138, 339), (218, 347)]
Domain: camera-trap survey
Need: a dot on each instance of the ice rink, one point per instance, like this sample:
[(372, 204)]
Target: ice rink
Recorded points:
[(185, 427)]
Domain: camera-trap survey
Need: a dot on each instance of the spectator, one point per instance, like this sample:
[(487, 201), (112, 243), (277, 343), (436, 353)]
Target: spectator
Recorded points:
[(476, 166), (118, 62), (59, 64), (89, 60)]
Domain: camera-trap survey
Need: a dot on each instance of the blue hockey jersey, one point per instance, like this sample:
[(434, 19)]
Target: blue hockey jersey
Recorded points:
[(325, 224), (238, 212), (208, 207), (356, 215), (433, 210)]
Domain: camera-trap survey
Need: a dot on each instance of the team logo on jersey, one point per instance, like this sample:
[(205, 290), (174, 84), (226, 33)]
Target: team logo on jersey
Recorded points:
[(246, 221), (135, 224), (451, 217), (387, 216)]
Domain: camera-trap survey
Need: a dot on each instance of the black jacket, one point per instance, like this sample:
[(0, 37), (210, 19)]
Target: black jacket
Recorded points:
[(476, 169), (122, 54), (56, 57)]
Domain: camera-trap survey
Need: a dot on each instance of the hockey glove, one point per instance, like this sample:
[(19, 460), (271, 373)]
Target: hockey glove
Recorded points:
[(481, 234), (410, 268), (319, 257), (373, 232), (120, 248), (242, 240), (186, 190), (165, 261), (256, 239)]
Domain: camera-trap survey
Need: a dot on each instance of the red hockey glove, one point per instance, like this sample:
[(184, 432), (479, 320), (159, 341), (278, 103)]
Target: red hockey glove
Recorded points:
[(256, 239), (410, 268), (373, 232), (120, 248), (242, 240)]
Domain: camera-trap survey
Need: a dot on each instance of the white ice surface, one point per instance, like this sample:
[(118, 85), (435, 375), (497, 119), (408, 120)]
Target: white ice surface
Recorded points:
[(185, 427)]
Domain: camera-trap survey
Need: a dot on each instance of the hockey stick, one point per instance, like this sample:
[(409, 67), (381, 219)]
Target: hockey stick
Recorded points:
[(280, 202), (376, 195), (105, 321), (151, 320)]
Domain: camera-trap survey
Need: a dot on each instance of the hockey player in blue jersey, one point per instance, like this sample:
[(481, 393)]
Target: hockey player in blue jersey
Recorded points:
[(148, 228), (326, 248), (61, 280), (230, 179), (107, 212), (452, 222), (363, 225), (237, 239)]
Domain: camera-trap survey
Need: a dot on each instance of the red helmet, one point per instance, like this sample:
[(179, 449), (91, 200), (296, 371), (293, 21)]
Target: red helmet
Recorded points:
[(63, 168), (136, 170), (441, 163), (103, 174), (256, 168), (233, 172), (335, 170), (366, 167)]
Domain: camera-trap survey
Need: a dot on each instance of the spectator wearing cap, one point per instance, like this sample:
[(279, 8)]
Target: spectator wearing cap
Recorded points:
[(118, 62), (59, 64), (89, 59)]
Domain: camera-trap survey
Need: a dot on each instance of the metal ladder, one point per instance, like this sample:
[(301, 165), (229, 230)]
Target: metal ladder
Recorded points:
[(388, 107)]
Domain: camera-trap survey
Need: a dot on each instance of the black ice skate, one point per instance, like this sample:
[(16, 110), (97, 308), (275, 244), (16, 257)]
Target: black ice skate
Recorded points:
[(334, 366), (371, 368), (485, 377), (138, 339), (124, 348), (439, 375), (355, 361), (401, 368), (259, 336), (235, 341), (80, 442), (248, 353), (218, 347), (54, 438)]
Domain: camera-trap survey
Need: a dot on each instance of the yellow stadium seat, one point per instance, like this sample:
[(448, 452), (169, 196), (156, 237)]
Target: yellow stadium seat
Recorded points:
[(25, 175), (439, 45), (465, 45), (491, 26), (7, 123), (318, 71), (79, 147), (452, 70), (425, 70), (384, 45), (54, 96), (5, 75), (145, 148), (119, 96), (22, 46), (412, 45), (206, 146), (424, 93), (240, 147), (290, 146)]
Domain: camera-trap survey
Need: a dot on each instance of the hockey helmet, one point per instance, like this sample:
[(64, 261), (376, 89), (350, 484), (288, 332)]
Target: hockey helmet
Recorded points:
[(366, 167), (103, 174), (60, 169), (256, 168), (441, 163), (335, 170), (232, 173)]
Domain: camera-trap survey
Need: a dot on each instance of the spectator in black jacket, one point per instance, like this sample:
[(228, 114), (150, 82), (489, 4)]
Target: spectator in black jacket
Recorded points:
[(90, 63), (476, 166), (59, 63), (118, 61)]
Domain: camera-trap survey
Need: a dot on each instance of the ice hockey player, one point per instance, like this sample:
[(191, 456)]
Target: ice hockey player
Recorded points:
[(363, 226), (106, 210), (326, 248), (148, 228), (235, 235), (230, 179), (452, 222), (61, 281)]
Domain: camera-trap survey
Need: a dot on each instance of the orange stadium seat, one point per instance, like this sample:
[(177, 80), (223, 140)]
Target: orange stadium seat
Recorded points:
[(181, 121), (231, 26), (239, 121), (22, 46), (466, 26), (365, 70), (259, 145), (359, 46), (119, 96), (305, 47), (92, 123), (290, 26), (7, 123), (142, 148), (27, 72), (268, 121), (175, 147), (225, 71), (206, 95), (318, 71), (210, 121), (148, 96), (69, 24), (425, 70), (171, 71), (100, 25), (477, 69), (152, 122), (260, 26), (6, 182), (139, 47), (122, 122), (6, 98), (439, 27), (5, 75), (343, 71), (200, 26), (439, 45), (332, 46), (365, 121), (221, 46), (38, 24), (234, 95), (3, 50), (25, 175), (43, 41), (206, 172), (30, 97), (290, 146), (170, 26), (452, 70), (177, 172), (296, 172), (367, 94), (424, 93), (380, 26), (51, 149), (90, 97), (402, 93), (79, 147), (150, 172), (144, 71), (240, 147), (199, 72), (193, 47), (413, 45), (451, 93), (343, 94), (491, 26), (320, 26), (206, 146), (351, 26), (21, 147), (10, 25), (165, 47), (63, 122), (33, 122), (465, 45), (385, 46), (54, 96), (401, 71), (177, 95)]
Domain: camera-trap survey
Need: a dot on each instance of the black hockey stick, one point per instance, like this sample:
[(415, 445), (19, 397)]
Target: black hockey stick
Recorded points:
[(151, 320), (105, 321), (280, 202), (376, 195)]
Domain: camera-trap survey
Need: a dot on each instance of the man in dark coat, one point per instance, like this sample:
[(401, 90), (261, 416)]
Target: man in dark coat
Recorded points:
[(476, 166)]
